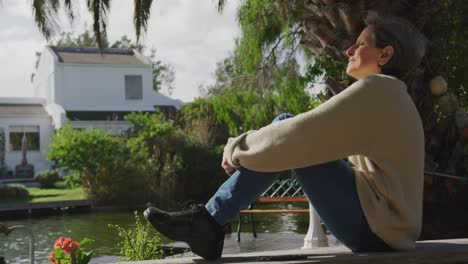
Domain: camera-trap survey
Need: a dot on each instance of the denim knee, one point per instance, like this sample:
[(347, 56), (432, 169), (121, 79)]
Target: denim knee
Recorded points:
[(282, 117)]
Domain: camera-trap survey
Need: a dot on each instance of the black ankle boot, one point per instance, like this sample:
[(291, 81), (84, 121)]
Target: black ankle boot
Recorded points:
[(196, 227)]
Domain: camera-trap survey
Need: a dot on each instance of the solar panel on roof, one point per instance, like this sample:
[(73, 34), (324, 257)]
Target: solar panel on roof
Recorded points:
[(94, 50)]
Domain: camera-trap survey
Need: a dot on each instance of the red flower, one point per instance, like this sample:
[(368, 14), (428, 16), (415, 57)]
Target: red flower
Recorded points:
[(52, 258), (66, 244)]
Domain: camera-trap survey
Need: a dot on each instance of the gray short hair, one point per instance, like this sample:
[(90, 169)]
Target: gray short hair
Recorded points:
[(408, 43)]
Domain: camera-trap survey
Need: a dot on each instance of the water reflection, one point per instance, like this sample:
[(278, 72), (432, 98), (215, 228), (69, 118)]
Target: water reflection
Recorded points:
[(94, 225), (77, 226)]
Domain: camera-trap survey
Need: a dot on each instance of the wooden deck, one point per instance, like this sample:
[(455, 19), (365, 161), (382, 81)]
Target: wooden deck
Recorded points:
[(264, 242), (453, 251)]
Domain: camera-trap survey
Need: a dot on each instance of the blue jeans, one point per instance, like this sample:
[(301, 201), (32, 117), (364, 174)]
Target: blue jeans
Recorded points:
[(331, 187)]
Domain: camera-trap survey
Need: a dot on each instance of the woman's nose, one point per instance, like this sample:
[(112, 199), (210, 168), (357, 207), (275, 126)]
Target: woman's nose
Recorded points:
[(350, 51)]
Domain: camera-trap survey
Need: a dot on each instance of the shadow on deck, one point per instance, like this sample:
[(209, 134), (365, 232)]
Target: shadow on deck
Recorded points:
[(426, 252)]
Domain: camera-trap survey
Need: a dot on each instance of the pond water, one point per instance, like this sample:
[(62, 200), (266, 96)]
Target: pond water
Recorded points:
[(94, 225)]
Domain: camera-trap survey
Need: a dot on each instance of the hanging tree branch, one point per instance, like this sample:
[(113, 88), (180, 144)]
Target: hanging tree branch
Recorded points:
[(141, 16)]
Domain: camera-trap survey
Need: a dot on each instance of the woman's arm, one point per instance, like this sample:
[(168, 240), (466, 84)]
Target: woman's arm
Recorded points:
[(345, 125)]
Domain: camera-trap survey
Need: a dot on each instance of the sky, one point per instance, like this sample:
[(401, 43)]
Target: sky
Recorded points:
[(190, 35)]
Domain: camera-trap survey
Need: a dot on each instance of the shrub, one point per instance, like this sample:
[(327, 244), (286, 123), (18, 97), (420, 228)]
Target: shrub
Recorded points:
[(140, 242), (13, 191), (176, 164), (47, 178), (157, 158), (72, 180), (99, 159)]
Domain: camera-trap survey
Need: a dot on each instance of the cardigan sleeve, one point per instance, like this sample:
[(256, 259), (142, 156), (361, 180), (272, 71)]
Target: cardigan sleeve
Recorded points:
[(345, 125)]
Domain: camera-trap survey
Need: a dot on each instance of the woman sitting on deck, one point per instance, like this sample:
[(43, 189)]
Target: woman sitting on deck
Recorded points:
[(375, 205)]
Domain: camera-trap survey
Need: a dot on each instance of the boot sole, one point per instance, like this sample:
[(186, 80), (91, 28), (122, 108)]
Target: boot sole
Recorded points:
[(199, 248)]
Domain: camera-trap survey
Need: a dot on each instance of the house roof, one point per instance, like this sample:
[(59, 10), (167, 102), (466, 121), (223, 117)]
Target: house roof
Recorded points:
[(21, 109), (93, 56)]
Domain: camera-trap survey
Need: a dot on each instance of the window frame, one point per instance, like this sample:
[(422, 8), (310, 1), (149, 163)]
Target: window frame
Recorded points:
[(128, 88), (15, 137)]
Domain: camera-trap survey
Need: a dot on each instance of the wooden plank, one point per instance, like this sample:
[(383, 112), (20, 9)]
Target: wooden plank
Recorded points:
[(453, 251), (257, 211), (263, 242)]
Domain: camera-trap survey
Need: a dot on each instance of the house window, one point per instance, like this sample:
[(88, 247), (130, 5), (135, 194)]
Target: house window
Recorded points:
[(133, 87), (32, 136)]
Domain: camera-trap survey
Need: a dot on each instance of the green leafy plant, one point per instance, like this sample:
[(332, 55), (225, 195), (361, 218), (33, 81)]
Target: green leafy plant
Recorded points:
[(68, 251), (100, 160), (139, 242), (13, 191), (157, 157), (72, 180), (48, 178)]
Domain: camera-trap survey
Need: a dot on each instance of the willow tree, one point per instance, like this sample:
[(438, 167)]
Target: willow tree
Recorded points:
[(324, 29), (273, 30)]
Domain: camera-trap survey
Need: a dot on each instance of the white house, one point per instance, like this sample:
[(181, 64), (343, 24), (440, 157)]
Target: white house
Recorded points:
[(90, 89), (19, 116)]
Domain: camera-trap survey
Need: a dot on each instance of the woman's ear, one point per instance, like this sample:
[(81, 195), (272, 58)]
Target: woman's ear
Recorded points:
[(385, 56)]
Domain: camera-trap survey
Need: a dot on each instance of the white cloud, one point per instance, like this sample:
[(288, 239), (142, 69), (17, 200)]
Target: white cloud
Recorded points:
[(17, 8), (191, 35), (19, 40)]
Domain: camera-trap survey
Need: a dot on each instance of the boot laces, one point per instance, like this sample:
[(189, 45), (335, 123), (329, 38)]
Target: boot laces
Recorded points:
[(191, 205)]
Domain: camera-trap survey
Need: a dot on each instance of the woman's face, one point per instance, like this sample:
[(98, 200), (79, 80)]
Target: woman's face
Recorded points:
[(363, 56)]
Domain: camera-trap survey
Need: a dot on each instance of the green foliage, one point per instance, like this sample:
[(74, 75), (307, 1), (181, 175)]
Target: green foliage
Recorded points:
[(126, 43), (241, 109), (261, 79), (289, 92), (72, 180), (201, 170), (39, 195), (325, 66), (83, 150), (156, 157), (86, 39), (263, 23), (13, 191), (199, 123), (173, 161), (226, 77), (198, 109), (163, 74), (48, 178), (147, 130), (450, 46), (100, 159), (140, 242), (259, 25), (157, 142)]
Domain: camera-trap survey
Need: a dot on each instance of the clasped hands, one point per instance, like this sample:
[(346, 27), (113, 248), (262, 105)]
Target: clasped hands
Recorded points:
[(227, 167)]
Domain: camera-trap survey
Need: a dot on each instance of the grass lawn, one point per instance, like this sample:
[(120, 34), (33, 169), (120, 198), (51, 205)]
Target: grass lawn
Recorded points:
[(60, 193)]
